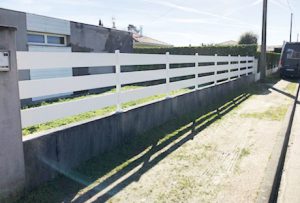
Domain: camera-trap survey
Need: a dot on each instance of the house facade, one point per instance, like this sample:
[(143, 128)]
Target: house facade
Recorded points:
[(41, 33)]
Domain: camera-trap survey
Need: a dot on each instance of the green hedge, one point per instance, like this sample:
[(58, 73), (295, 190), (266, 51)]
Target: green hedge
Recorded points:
[(272, 59), (243, 50)]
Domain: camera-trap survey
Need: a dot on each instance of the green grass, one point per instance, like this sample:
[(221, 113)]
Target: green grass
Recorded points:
[(291, 88), (244, 152), (68, 120), (272, 114), (60, 100), (91, 114)]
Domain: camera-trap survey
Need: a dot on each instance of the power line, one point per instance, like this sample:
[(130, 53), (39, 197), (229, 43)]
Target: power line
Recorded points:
[(292, 14), (291, 27), (289, 5)]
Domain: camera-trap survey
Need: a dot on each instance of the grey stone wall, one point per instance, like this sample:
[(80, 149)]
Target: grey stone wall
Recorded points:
[(17, 19), (91, 38), (48, 154), (12, 171)]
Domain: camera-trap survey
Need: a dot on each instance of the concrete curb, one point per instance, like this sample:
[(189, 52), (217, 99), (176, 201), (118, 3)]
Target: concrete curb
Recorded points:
[(276, 159), (285, 187)]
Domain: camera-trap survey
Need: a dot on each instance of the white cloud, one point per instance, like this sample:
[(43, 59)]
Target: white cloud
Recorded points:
[(175, 21), (188, 9), (280, 4), (220, 18), (247, 6)]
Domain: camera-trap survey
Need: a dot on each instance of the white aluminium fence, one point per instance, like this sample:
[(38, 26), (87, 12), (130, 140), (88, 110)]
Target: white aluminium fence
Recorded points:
[(203, 72)]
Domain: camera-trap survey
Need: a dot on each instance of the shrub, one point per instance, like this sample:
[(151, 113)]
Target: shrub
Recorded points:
[(248, 38), (272, 59), (242, 50)]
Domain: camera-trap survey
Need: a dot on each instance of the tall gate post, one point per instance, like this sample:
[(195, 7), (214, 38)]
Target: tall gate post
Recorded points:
[(12, 169)]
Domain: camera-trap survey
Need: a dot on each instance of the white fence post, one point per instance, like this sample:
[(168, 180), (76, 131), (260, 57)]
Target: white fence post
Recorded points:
[(229, 65), (167, 74), (255, 65), (196, 69), (247, 65), (239, 69), (215, 72), (257, 75), (118, 85)]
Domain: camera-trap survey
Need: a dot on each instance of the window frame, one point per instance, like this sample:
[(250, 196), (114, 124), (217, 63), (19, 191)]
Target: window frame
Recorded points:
[(46, 39), (37, 34)]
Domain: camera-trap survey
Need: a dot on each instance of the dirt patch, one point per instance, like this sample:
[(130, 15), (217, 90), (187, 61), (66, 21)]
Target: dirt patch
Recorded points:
[(224, 163)]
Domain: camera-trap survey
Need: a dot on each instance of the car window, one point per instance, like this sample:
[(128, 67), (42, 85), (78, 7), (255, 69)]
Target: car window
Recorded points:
[(292, 54)]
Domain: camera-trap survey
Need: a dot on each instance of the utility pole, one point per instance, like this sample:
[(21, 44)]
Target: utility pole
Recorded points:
[(263, 51), (291, 28), (298, 37)]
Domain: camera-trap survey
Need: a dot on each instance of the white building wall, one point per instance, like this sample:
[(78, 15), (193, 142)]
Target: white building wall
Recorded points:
[(40, 23)]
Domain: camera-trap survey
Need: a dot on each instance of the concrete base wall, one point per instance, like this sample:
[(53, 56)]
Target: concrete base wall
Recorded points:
[(48, 154)]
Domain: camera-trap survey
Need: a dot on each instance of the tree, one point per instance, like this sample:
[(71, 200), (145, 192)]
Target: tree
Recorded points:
[(248, 38)]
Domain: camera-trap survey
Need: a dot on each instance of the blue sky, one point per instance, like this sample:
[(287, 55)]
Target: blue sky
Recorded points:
[(179, 22)]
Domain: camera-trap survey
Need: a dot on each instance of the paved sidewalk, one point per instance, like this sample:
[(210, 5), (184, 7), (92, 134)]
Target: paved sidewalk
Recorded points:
[(290, 182)]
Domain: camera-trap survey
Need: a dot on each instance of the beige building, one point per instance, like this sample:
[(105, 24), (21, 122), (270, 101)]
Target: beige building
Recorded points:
[(141, 41)]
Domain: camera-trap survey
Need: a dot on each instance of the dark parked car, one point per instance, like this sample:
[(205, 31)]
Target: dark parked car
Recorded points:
[(290, 60)]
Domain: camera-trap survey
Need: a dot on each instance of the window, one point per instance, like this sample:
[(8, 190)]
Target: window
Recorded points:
[(36, 38), (55, 40), (293, 54), (46, 39)]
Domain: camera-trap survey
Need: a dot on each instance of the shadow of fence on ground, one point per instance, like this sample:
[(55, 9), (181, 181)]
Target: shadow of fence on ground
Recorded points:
[(133, 159), (182, 137)]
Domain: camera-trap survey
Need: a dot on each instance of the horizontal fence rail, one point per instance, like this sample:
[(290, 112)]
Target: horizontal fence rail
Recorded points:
[(177, 72)]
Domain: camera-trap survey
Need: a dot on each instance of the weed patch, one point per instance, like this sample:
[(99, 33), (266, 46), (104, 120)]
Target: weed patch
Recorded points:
[(272, 114)]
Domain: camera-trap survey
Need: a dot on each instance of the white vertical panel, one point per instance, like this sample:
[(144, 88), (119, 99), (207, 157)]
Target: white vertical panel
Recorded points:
[(40, 48), (42, 60), (182, 84), (176, 72), (167, 75), (53, 73), (51, 112), (142, 76), (118, 85), (48, 113), (141, 59), (206, 79), (54, 86), (142, 93)]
